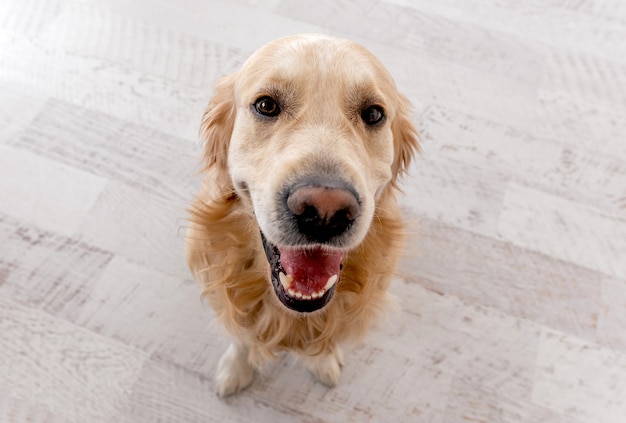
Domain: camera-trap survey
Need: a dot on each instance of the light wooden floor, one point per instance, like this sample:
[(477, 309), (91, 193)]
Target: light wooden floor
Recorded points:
[(514, 286)]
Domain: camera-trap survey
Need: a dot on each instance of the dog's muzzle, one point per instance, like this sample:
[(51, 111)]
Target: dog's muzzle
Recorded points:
[(318, 214)]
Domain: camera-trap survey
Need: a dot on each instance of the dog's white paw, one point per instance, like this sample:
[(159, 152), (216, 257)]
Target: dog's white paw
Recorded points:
[(326, 367), (234, 373)]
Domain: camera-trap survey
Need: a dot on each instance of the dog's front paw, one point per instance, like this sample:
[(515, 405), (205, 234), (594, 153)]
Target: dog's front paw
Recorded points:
[(234, 373), (326, 367)]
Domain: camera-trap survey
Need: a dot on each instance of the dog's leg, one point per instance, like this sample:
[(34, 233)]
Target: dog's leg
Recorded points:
[(234, 372), (326, 367)]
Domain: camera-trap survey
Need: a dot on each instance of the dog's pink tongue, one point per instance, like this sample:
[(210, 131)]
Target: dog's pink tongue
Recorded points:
[(310, 268)]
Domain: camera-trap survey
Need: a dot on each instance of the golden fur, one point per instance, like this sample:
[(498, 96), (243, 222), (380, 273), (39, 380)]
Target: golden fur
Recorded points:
[(224, 248)]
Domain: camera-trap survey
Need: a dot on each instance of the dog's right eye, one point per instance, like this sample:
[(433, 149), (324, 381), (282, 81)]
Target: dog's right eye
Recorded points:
[(267, 106), (373, 115)]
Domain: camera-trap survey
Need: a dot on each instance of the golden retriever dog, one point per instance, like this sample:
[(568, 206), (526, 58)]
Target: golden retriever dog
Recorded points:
[(295, 233)]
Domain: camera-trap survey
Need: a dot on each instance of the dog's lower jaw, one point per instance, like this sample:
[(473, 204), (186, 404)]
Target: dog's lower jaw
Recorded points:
[(234, 372)]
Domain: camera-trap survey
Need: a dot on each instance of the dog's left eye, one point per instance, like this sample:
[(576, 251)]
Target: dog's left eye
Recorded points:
[(267, 106), (372, 115)]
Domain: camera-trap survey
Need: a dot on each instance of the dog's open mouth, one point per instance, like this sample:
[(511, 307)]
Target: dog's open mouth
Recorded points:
[(304, 278)]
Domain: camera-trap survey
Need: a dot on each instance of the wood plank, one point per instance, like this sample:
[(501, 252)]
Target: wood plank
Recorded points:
[(376, 383), (114, 149), (587, 76), (490, 355), (612, 318), (564, 229), (220, 21), (28, 17), (593, 125), (44, 192), (118, 223), (478, 402), (13, 410), (153, 311), (486, 142), (120, 91), (589, 172), (18, 108), (611, 10), (455, 193), (596, 28), (420, 31), (486, 95), (522, 283), (69, 371), (90, 31), (168, 393), (568, 381), (44, 270)]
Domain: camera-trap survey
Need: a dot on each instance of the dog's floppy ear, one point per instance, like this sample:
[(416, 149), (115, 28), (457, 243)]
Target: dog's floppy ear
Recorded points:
[(217, 125), (405, 140)]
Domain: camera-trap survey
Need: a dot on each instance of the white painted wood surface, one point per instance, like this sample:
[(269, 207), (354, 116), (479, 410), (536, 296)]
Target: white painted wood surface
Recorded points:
[(513, 286)]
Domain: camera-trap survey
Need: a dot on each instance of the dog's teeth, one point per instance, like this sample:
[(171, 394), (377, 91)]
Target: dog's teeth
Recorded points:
[(285, 280), (331, 282)]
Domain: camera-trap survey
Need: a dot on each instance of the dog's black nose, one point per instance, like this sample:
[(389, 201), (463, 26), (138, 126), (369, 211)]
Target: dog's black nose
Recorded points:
[(323, 212)]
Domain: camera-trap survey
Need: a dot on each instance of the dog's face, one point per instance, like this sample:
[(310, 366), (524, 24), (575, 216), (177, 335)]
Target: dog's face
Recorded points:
[(316, 137)]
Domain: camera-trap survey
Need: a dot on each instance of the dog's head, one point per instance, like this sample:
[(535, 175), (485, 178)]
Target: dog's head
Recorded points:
[(310, 133)]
